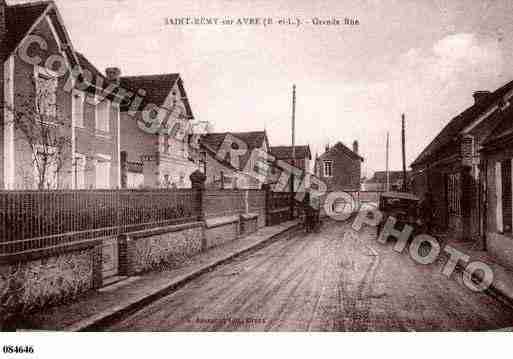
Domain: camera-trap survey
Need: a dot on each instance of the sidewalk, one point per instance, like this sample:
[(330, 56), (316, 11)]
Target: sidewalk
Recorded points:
[(502, 286), (102, 306)]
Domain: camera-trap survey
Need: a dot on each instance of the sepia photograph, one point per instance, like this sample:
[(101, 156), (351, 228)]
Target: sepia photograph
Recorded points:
[(206, 166)]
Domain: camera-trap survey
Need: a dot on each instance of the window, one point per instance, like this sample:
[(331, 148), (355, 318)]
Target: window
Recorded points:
[(78, 109), (453, 186), (103, 172), (46, 93), (328, 168), (504, 196), (102, 116)]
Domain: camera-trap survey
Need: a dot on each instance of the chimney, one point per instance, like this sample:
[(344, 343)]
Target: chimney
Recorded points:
[(113, 73), (355, 147), (480, 95), (327, 148)]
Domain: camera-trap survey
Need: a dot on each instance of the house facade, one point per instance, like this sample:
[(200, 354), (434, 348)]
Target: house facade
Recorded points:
[(497, 157), (340, 168), (56, 132), (155, 131), (452, 169), (215, 151)]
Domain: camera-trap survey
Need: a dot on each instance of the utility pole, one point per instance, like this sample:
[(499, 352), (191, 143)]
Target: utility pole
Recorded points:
[(403, 136), (293, 135), (387, 188)]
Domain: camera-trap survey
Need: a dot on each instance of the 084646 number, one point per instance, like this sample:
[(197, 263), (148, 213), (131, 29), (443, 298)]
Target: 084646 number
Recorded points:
[(18, 349)]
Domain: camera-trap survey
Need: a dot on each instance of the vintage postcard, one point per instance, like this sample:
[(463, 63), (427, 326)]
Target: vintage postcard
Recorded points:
[(255, 166)]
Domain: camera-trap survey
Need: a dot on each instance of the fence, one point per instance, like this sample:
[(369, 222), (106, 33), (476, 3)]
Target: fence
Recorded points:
[(224, 202), (279, 207), (32, 220)]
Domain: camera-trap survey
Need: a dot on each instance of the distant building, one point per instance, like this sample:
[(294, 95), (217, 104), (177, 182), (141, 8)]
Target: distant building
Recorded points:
[(378, 182), (214, 150), (340, 168), (303, 157)]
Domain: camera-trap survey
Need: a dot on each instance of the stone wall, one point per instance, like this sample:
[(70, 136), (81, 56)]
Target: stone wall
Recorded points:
[(163, 247), (221, 230), (248, 224), (34, 284)]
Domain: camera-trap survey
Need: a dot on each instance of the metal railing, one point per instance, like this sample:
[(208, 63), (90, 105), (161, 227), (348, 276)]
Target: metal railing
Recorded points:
[(32, 220)]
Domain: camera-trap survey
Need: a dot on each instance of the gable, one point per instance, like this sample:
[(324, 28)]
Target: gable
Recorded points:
[(338, 150), (29, 18)]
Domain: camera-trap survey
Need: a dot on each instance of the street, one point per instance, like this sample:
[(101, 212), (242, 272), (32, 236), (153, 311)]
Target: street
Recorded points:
[(325, 281)]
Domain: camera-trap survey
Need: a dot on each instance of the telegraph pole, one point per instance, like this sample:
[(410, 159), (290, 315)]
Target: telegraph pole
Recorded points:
[(293, 135), (403, 136), (387, 188)]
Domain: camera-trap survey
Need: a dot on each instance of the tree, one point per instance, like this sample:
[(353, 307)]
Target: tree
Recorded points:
[(44, 129)]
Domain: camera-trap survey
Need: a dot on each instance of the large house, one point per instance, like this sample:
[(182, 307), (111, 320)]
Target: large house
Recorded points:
[(55, 131), (156, 153), (340, 168), (452, 168)]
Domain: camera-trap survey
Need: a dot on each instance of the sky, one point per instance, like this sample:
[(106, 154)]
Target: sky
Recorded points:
[(423, 58)]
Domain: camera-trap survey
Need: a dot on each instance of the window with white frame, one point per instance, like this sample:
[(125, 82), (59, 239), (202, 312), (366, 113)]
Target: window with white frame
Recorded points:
[(328, 168), (46, 93), (102, 116), (78, 108), (504, 195), (102, 170)]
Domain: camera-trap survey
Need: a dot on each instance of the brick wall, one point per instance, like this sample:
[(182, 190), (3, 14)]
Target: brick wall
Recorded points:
[(346, 172)]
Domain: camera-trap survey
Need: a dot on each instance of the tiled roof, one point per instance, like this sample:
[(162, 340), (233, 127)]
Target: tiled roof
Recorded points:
[(85, 64), (285, 152), (157, 88), (253, 140), (504, 130), (20, 19), (458, 123), (341, 147)]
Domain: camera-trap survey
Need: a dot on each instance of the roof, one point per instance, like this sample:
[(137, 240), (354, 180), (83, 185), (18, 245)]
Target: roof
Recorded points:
[(157, 88), (85, 64), (253, 140), (339, 146), (20, 19), (458, 123), (503, 130), (285, 152), (402, 195)]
